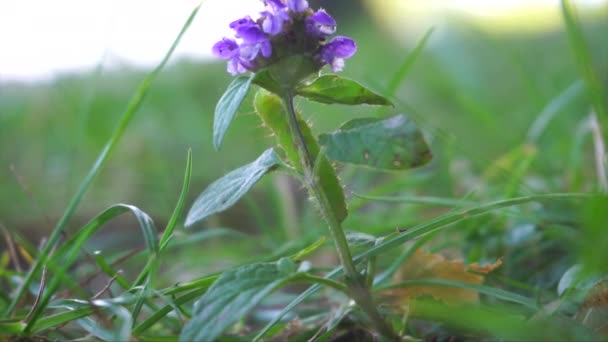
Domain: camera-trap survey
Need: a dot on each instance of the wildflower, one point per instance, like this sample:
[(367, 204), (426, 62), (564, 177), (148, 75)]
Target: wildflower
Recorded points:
[(337, 50), (275, 16), (297, 6), (321, 24), (285, 29)]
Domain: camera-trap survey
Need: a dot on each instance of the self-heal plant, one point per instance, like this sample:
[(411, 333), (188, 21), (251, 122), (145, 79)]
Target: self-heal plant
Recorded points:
[(285, 49)]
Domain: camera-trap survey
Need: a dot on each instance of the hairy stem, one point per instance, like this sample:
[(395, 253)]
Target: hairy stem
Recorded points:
[(358, 287)]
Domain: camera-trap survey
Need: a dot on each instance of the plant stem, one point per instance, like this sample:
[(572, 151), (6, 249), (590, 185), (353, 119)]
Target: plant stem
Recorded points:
[(358, 287)]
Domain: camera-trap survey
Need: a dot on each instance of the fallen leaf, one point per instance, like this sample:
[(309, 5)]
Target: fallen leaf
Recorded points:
[(423, 265)]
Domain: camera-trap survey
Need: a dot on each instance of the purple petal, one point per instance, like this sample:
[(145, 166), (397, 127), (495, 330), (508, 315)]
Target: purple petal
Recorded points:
[(246, 21), (337, 64), (274, 21), (342, 47), (297, 6), (266, 49), (249, 52), (235, 67), (251, 34), (225, 48), (337, 50), (275, 5), (323, 18), (321, 24)]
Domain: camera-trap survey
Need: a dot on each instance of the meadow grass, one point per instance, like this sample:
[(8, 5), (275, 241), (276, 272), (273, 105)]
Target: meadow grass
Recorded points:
[(514, 176)]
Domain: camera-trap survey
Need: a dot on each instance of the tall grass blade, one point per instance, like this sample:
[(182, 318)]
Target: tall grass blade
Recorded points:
[(407, 64), (581, 51)]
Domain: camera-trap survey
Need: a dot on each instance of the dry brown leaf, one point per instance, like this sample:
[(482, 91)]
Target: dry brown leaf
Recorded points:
[(423, 265), (594, 311)]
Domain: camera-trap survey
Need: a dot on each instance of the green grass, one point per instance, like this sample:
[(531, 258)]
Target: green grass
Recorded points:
[(513, 177)]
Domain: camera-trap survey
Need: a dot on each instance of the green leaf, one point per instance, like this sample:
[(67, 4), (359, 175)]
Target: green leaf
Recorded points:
[(274, 116), (224, 192), (11, 327), (233, 295), (265, 80), (332, 89), (394, 143), (227, 107)]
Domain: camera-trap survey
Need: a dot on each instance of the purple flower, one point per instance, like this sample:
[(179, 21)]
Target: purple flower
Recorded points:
[(225, 48), (337, 50), (243, 22), (297, 6), (321, 24), (254, 41), (275, 16), (229, 49), (261, 42)]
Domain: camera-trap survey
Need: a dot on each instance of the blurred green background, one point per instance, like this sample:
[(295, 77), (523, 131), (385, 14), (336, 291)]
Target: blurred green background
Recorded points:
[(477, 90)]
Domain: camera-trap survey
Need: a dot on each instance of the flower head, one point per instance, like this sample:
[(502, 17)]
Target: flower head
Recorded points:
[(321, 24), (297, 6), (337, 50), (284, 29)]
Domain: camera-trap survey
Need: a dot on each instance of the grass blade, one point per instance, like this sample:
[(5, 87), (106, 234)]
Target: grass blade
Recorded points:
[(438, 201), (71, 250), (487, 290), (126, 118), (168, 233), (407, 64), (579, 46)]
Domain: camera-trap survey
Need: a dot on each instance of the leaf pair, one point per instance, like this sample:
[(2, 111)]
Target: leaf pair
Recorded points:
[(328, 89), (394, 143)]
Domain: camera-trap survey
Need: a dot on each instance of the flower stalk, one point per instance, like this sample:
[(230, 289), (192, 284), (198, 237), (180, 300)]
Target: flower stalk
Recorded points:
[(358, 287)]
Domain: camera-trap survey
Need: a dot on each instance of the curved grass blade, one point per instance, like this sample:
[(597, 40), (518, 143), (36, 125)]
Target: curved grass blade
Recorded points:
[(486, 290), (80, 311), (11, 328), (69, 252), (580, 48), (119, 332), (61, 319), (394, 267), (407, 64), (438, 201), (444, 221), (168, 233), (553, 108), (124, 122), (164, 311), (501, 322)]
